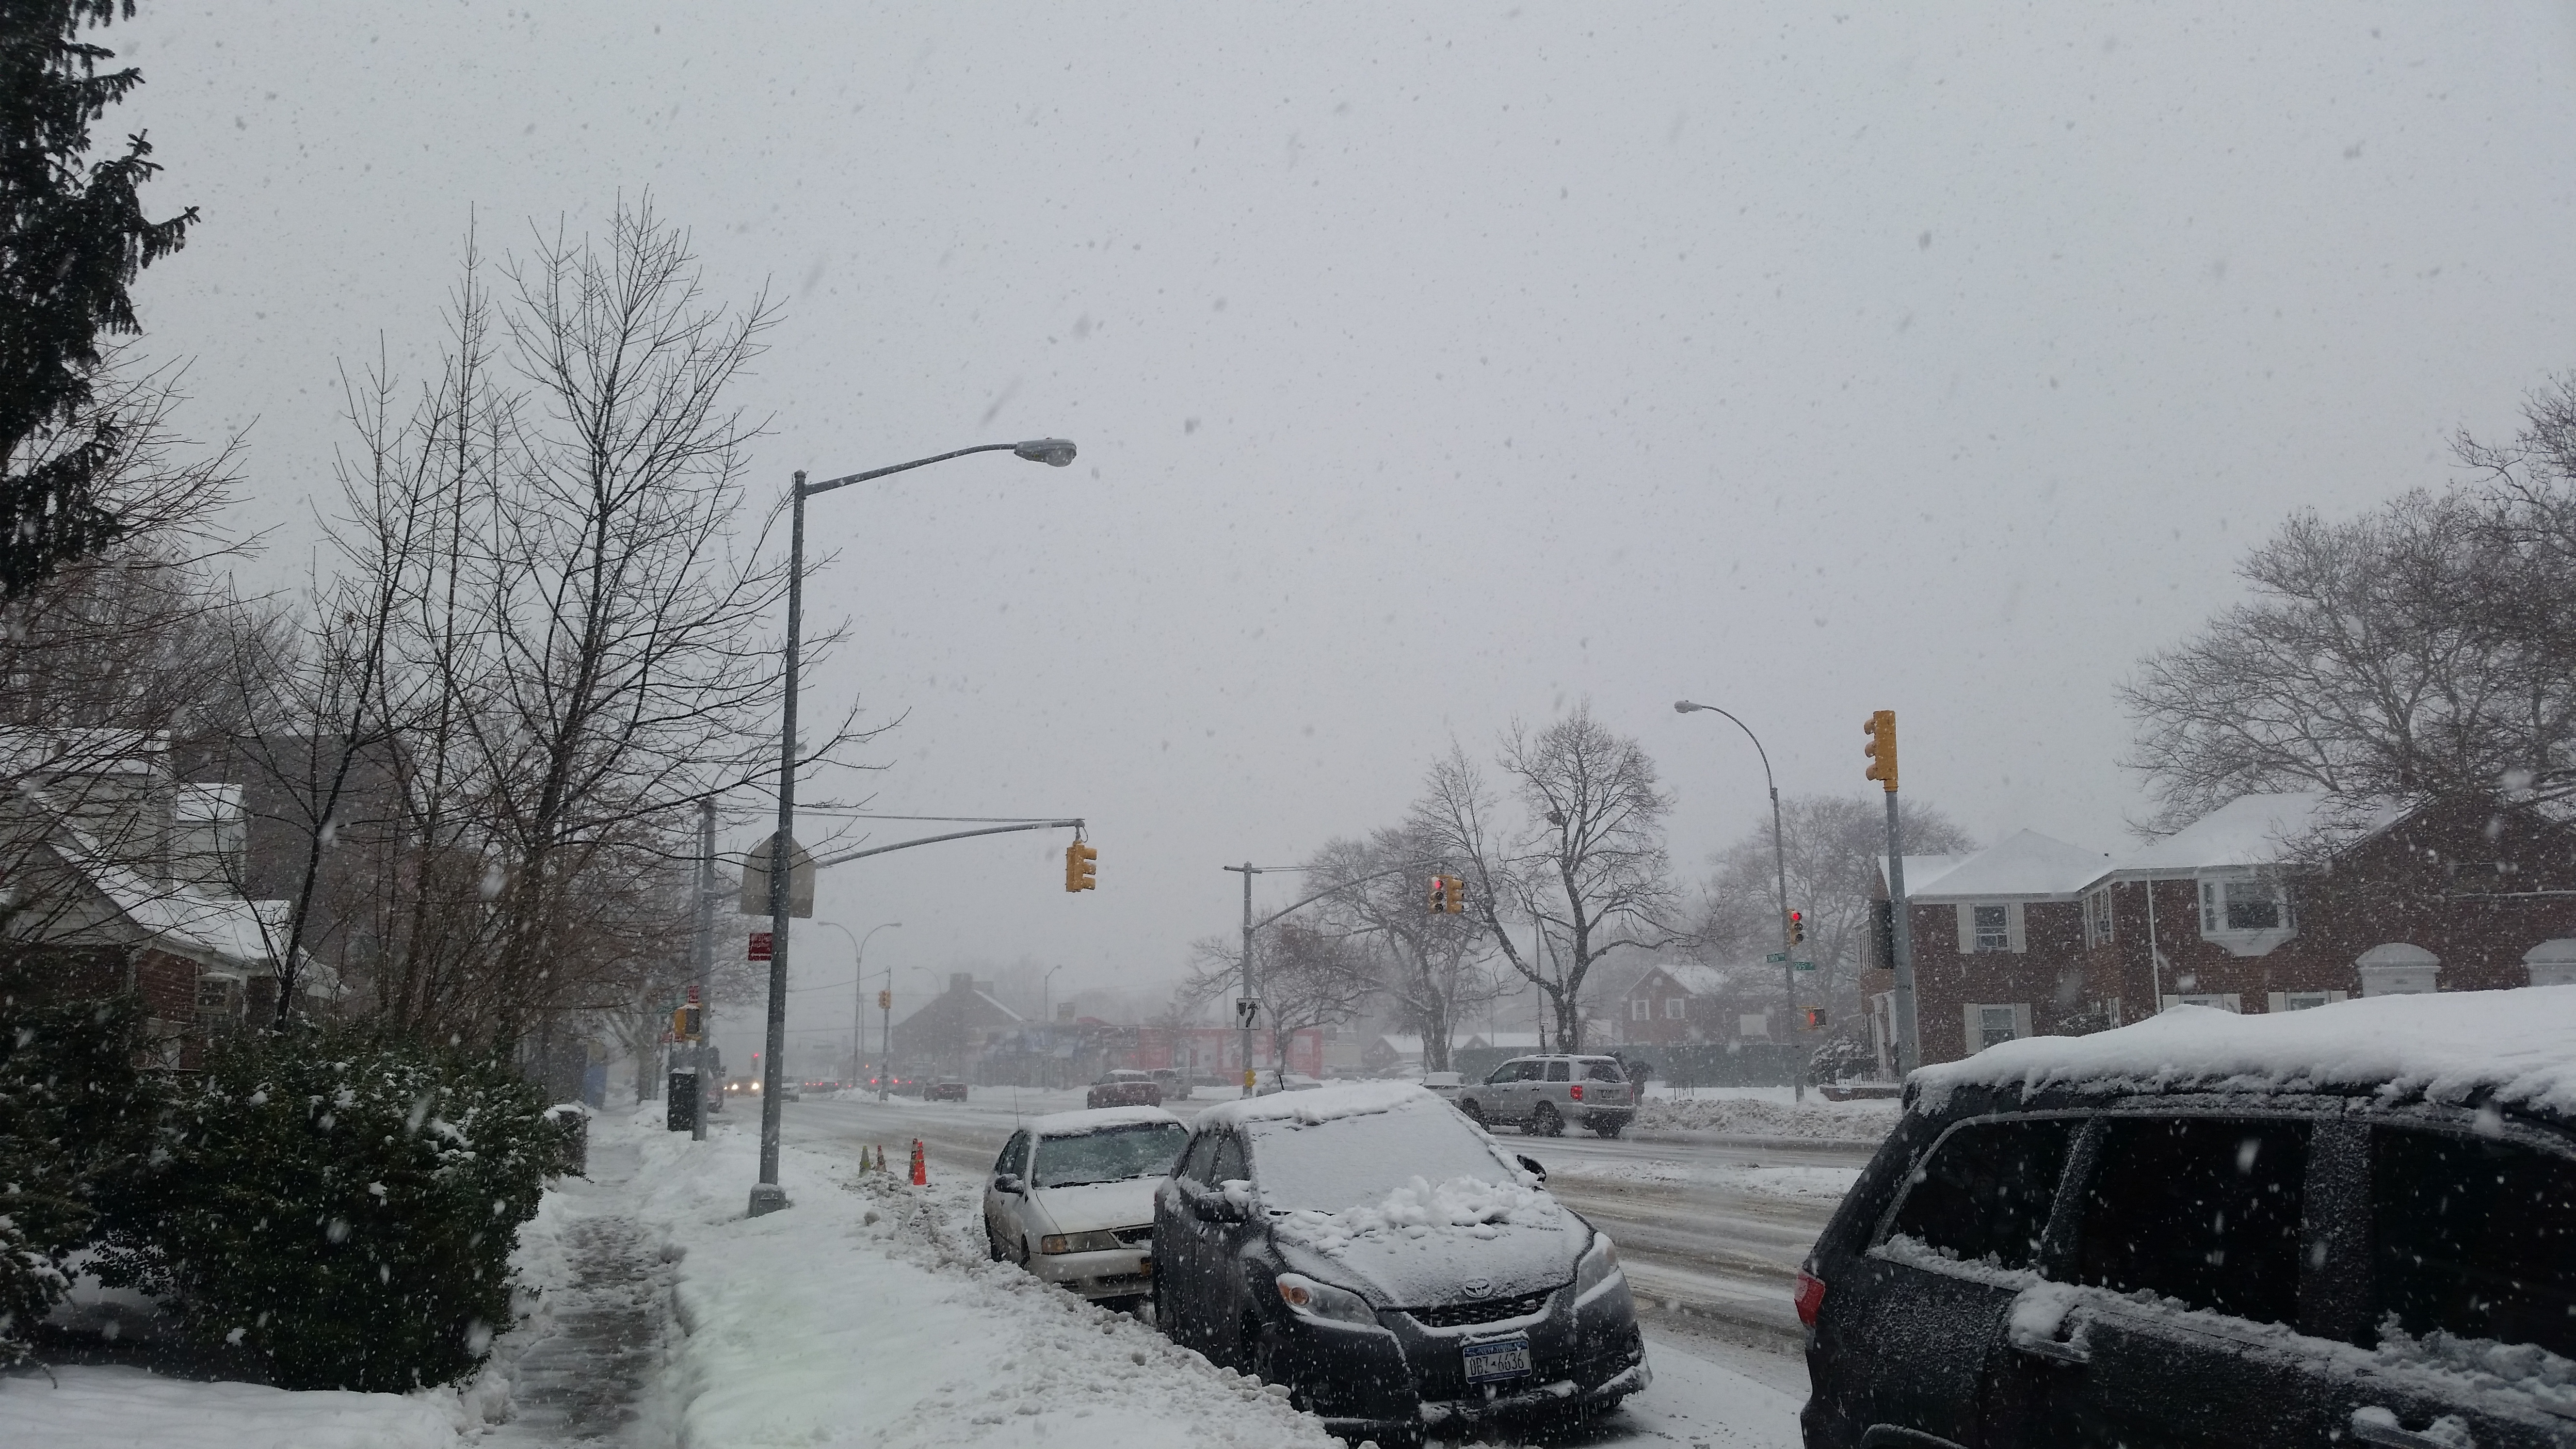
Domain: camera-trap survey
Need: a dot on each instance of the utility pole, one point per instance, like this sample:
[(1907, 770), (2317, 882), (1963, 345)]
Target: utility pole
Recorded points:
[(1881, 730), (1243, 1016), (704, 961)]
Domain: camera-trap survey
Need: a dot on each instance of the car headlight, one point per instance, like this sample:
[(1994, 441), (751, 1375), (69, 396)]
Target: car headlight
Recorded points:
[(1078, 1243), (1598, 1270), (1324, 1303)]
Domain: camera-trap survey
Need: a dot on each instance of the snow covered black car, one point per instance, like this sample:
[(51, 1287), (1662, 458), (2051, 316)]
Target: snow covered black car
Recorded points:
[(2354, 1224), (1371, 1250)]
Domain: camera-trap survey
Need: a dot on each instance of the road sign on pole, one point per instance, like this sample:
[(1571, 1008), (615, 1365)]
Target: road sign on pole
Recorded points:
[(759, 946), (1776, 957), (1246, 1011), (755, 884), (1802, 965)]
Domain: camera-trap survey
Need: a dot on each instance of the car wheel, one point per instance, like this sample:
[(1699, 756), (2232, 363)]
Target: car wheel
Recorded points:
[(1024, 1250), (1608, 1128), (1474, 1113), (993, 1245), (1544, 1122)]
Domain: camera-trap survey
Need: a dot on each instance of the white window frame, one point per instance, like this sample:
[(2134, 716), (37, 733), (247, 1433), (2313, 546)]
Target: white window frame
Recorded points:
[(2217, 1000), (1676, 1008), (2098, 929), (1976, 1022), (1753, 1024), (2219, 891), (2301, 1000), (1640, 1009), (1970, 937)]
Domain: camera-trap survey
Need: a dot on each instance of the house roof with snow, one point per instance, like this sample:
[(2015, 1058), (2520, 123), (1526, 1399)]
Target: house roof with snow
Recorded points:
[(1922, 870), (2026, 866), (1690, 976), (2260, 830)]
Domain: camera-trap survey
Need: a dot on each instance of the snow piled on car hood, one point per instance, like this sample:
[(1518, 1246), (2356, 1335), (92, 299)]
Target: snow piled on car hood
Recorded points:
[(2515, 1048), (1324, 1104), (1466, 1208)]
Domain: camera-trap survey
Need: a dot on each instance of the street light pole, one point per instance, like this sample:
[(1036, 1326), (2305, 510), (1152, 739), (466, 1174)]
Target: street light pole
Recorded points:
[(1243, 1016), (859, 987), (1780, 873), (766, 1195)]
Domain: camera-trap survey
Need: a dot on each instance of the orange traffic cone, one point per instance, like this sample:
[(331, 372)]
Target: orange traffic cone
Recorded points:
[(920, 1170)]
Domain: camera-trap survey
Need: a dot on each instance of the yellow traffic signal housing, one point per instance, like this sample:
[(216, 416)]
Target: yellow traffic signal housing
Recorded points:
[(679, 1023), (1797, 928), (1439, 894), (1079, 873), (1457, 894), (885, 1001), (1881, 730)]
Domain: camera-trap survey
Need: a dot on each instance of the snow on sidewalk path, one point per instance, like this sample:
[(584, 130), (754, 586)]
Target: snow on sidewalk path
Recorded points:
[(862, 1317)]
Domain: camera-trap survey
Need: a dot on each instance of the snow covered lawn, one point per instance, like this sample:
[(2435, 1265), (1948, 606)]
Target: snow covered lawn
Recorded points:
[(92, 1408), (1765, 1112), (866, 1316)]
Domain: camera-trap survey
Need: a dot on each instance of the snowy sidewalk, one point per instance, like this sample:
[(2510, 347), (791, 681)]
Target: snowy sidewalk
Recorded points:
[(586, 1367)]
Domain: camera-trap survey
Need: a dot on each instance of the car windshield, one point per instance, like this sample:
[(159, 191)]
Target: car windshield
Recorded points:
[(1346, 1161), (1112, 1154)]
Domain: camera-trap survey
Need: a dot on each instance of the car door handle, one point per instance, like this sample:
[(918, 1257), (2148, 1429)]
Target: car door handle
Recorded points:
[(2376, 1425), (2053, 1350)]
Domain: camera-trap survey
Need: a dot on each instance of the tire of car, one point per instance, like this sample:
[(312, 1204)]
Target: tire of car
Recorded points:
[(1024, 1250), (993, 1245), (1543, 1121), (1607, 1127)]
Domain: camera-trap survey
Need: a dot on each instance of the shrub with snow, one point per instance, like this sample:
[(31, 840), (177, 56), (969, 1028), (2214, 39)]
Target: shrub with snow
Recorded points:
[(75, 1118), (340, 1206)]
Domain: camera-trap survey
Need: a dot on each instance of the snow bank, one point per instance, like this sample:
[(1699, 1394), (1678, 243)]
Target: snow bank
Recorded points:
[(1755, 1117), (2516, 1047), (1465, 1207), (867, 1315), (96, 1407)]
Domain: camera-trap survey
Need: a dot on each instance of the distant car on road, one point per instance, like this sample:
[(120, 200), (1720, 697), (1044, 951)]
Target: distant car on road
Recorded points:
[(1445, 1085), (1175, 1083), (1540, 1095), (1270, 1082), (2347, 1224), (1072, 1198), (1385, 1263), (1124, 1088), (946, 1089)]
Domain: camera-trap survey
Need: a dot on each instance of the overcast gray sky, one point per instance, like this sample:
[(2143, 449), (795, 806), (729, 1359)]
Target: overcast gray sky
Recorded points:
[(1435, 365)]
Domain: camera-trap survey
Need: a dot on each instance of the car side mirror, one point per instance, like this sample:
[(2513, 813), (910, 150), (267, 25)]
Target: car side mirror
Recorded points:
[(1216, 1207), (1530, 1166), (1005, 1182)]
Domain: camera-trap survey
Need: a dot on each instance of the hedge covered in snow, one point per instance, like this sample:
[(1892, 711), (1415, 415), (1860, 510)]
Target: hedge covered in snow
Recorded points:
[(342, 1207), (75, 1120)]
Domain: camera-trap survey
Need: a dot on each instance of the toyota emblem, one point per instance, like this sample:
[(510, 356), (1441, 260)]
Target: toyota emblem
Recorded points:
[(1478, 1287)]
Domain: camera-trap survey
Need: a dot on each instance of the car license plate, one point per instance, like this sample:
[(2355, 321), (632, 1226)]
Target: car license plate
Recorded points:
[(1498, 1358)]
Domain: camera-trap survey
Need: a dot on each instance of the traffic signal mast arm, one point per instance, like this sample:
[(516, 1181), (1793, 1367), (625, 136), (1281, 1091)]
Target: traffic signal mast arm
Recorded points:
[(849, 856)]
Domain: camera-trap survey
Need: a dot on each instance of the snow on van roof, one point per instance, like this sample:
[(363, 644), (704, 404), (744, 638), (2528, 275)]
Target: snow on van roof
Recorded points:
[(1074, 1124), (1324, 1104), (2516, 1048)]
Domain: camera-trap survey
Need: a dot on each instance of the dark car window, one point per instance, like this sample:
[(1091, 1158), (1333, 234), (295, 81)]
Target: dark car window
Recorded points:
[(1985, 1193), (2474, 1237), (1602, 1072), (2203, 1209), (1557, 1072), (1229, 1161), (1511, 1072), (1194, 1161), (1015, 1156), (1112, 1154)]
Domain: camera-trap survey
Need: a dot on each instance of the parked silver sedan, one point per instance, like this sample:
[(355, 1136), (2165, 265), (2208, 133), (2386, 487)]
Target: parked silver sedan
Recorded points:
[(1072, 1198)]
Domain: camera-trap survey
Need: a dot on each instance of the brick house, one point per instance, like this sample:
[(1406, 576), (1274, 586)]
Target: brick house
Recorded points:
[(950, 1033), (2272, 902), (1673, 1003)]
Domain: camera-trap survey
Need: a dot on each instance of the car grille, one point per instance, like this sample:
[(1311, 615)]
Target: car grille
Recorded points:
[(1133, 1236), (1459, 1315)]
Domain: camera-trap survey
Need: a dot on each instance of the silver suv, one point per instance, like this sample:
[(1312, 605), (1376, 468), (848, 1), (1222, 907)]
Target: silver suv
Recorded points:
[(1541, 1094)]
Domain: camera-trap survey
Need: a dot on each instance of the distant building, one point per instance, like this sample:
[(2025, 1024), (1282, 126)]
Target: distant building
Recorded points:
[(949, 1035)]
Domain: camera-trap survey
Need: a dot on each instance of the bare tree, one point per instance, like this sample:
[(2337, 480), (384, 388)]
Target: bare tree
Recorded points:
[(1587, 865), (1433, 967), (1305, 975), (1837, 845)]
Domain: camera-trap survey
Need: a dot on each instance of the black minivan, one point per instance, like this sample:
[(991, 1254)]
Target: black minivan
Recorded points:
[(2210, 1230)]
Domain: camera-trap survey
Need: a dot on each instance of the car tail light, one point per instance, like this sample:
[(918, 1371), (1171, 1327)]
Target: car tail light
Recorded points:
[(1810, 1297), (1578, 1091)]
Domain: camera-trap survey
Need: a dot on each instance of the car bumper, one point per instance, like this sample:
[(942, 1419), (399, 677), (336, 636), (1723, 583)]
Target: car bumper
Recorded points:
[(1112, 1273), (1404, 1378)]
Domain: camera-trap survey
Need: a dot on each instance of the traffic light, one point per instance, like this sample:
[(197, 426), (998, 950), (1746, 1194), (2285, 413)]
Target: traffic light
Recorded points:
[(1797, 929), (1457, 894), (885, 1001), (1815, 1018), (1881, 730), (1079, 873), (679, 1023), (1439, 894)]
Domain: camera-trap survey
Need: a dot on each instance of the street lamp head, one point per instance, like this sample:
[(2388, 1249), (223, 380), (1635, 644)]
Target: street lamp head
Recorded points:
[(1684, 706), (1054, 452)]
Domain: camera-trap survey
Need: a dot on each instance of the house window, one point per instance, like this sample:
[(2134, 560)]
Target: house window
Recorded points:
[(2242, 904), (1994, 1023), (1994, 928), (1673, 1008), (2302, 1000), (1753, 1024), (1640, 1009), (2097, 917)]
